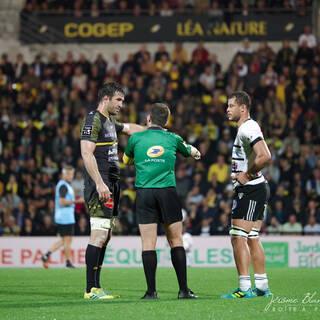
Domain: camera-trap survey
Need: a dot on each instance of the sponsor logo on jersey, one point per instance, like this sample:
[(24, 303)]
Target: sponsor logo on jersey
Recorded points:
[(86, 130), (234, 166), (240, 195), (112, 152), (234, 204), (155, 151), (109, 203)]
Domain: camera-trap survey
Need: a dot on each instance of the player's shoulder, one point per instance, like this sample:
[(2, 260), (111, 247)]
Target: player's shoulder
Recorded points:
[(60, 183), (137, 135), (92, 115), (172, 135), (250, 124)]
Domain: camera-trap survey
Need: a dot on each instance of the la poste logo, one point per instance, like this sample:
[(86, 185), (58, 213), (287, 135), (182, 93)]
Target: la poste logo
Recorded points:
[(155, 151)]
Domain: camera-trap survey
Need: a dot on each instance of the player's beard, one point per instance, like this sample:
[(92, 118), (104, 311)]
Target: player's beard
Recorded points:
[(234, 118), (113, 111)]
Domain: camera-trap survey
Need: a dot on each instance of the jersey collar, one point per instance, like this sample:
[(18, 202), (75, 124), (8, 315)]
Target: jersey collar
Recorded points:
[(155, 128)]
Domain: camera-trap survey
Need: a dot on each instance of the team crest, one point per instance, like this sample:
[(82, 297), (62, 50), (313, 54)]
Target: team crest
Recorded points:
[(234, 204), (155, 151), (240, 195)]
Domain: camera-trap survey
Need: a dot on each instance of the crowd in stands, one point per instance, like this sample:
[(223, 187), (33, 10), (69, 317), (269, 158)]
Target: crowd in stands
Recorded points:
[(42, 105), (166, 8)]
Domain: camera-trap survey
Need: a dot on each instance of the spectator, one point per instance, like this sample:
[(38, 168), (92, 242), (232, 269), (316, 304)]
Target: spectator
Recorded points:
[(313, 184), (220, 169), (312, 210), (94, 10), (223, 227), (292, 227), (275, 228), (308, 37), (165, 10), (312, 228), (201, 53), (241, 66), (284, 54), (207, 80), (82, 227), (78, 185), (28, 228), (215, 12), (114, 64), (194, 196), (48, 228), (179, 54), (245, 51), (10, 227), (20, 67)]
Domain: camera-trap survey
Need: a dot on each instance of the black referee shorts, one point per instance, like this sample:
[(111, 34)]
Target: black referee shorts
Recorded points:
[(250, 201), (158, 205), (65, 230)]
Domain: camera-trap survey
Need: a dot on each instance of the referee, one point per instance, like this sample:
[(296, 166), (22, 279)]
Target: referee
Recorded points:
[(153, 153)]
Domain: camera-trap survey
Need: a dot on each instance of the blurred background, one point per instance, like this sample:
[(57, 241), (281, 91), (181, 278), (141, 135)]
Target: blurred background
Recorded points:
[(189, 53)]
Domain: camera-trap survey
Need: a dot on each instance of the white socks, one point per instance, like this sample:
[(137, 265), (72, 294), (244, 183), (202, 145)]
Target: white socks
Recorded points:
[(261, 281), (244, 283)]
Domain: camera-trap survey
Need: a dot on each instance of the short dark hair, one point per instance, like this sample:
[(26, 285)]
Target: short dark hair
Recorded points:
[(109, 89), (159, 113), (67, 168), (242, 98)]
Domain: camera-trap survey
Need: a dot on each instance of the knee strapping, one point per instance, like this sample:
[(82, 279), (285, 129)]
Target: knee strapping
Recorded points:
[(238, 232), (254, 233)]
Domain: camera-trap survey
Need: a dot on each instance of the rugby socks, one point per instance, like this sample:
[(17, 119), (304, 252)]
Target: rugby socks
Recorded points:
[(149, 259), (101, 258), (244, 283), (179, 261), (92, 262), (261, 281)]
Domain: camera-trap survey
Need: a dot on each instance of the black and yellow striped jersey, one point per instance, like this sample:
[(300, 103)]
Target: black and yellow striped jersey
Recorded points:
[(103, 132)]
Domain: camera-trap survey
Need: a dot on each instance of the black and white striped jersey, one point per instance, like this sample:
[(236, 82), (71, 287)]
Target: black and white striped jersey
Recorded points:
[(249, 133)]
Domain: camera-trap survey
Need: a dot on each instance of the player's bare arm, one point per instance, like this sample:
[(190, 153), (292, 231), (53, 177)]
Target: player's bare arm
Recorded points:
[(263, 156), (131, 128), (90, 163), (64, 202)]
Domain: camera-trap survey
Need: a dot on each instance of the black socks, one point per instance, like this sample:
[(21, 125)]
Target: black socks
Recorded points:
[(149, 259), (100, 263), (92, 263), (178, 258)]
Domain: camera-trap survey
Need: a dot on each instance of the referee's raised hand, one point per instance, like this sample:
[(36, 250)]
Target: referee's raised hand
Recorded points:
[(103, 191), (195, 153)]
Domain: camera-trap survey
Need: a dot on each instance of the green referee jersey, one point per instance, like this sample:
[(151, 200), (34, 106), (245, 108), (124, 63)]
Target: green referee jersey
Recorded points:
[(154, 154)]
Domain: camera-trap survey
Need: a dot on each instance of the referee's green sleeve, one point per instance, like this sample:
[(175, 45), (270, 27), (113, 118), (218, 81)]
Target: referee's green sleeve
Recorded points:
[(183, 147)]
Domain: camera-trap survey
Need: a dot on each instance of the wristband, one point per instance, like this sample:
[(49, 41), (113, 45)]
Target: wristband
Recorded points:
[(250, 176)]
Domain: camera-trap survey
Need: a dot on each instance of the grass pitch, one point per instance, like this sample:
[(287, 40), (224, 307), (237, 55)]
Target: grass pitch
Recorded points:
[(58, 294)]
